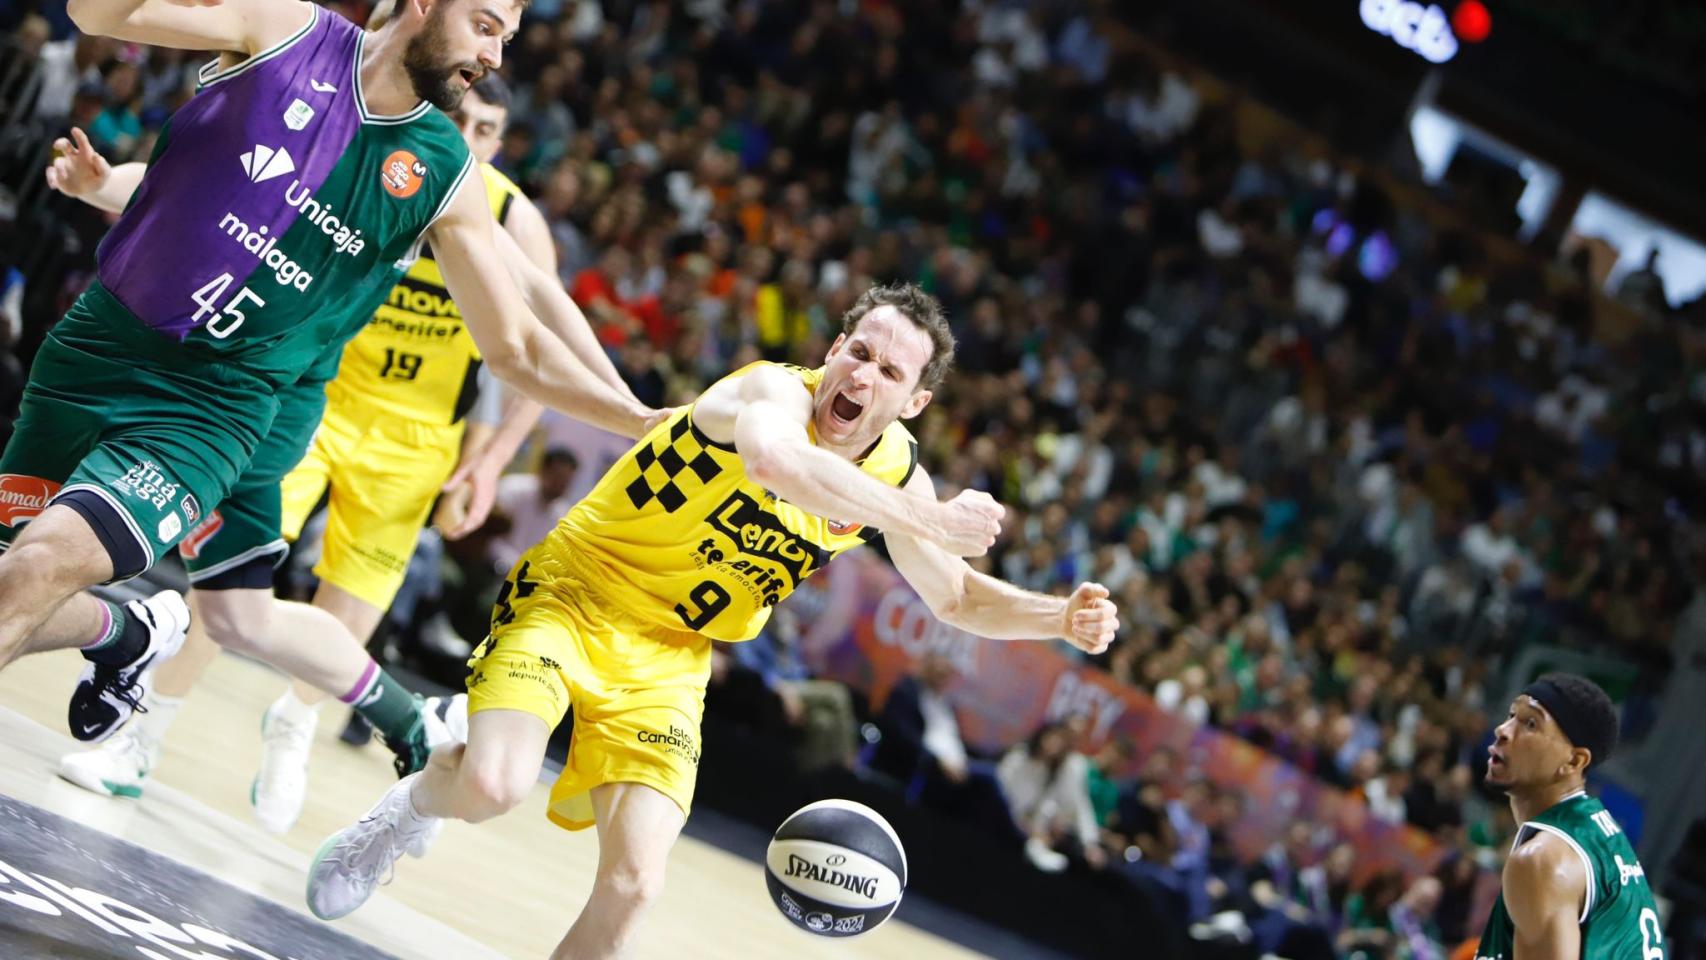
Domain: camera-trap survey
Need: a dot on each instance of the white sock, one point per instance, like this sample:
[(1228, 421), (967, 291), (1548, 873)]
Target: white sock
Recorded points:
[(290, 707), (161, 711), (419, 818)]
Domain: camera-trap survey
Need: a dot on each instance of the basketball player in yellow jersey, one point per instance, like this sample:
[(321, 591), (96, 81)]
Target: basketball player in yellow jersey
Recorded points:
[(713, 518), (392, 431)]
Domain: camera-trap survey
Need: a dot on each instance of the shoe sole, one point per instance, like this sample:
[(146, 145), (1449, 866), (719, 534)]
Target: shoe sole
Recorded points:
[(308, 893), (101, 786), (122, 790)]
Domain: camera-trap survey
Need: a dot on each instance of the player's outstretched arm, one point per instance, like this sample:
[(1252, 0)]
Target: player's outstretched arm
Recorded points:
[(525, 234), (79, 171), (982, 605), (519, 349), (527, 227), (234, 26), (765, 413), (1544, 884)]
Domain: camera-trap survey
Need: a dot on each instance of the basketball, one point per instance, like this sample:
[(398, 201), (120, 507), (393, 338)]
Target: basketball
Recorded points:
[(835, 868)]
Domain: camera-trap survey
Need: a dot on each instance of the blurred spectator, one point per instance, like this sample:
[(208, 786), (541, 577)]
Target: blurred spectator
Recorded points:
[(921, 745), (1369, 932), (1201, 360), (1286, 910), (115, 130), (532, 503), (819, 711), (67, 66), (1047, 787)]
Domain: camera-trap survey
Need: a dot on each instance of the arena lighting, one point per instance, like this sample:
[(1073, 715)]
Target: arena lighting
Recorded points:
[(1422, 29), (1471, 21)]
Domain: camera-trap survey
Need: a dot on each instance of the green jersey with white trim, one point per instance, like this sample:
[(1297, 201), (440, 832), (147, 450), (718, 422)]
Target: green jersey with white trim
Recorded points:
[(275, 206), (1619, 920)]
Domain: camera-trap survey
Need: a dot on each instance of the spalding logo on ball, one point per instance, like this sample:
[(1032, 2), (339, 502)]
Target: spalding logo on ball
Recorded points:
[(835, 868)]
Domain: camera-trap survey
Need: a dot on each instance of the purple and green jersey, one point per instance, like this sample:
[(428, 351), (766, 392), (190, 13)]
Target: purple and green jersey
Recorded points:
[(276, 210), (275, 216)]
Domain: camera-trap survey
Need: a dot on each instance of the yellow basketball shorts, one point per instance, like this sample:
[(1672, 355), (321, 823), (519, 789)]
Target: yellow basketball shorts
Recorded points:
[(637, 689), (383, 473)]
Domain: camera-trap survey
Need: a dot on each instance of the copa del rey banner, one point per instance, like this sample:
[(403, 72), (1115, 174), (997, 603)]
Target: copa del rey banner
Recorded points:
[(862, 625)]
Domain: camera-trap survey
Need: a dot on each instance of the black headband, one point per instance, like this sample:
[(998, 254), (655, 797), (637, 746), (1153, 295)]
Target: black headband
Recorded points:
[(1578, 725)]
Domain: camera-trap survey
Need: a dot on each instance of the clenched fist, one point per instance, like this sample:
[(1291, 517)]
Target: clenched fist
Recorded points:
[(970, 523), (1091, 619)]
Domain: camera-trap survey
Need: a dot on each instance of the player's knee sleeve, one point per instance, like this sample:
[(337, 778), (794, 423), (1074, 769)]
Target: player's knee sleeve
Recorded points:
[(127, 554), (254, 573)]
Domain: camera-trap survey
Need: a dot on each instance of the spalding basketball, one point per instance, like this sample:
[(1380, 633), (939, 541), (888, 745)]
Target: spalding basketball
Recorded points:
[(835, 868)]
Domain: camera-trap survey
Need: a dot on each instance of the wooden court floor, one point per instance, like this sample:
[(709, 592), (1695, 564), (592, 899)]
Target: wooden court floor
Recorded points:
[(507, 888)]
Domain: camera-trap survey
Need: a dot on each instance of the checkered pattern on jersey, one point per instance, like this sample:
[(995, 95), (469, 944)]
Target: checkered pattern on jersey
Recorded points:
[(681, 467)]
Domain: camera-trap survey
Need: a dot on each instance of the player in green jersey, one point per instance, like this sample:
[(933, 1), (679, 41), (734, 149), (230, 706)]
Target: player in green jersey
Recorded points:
[(299, 177), (1572, 887)]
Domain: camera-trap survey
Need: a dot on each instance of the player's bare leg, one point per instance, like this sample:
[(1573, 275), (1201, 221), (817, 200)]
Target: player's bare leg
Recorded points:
[(358, 616), (55, 556), (489, 775), (303, 640), (42, 607), (637, 826)]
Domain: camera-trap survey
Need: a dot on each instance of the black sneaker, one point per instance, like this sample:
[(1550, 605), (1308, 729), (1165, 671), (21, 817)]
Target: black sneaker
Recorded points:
[(106, 696)]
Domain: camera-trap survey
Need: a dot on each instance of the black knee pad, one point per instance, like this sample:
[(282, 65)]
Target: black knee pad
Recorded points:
[(254, 573), (128, 557)]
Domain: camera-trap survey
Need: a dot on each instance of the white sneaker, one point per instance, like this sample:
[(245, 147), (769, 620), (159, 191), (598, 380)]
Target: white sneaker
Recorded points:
[(115, 768), (281, 785), (106, 697), (352, 863)]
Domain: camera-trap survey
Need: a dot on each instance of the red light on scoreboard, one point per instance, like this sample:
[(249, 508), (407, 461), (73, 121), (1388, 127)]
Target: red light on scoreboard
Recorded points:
[(1471, 21)]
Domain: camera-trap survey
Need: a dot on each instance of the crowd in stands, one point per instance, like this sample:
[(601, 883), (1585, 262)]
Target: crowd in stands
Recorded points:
[(1337, 463)]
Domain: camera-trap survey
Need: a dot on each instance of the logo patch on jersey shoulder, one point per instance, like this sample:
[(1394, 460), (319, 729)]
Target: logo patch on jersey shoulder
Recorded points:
[(298, 115), (23, 497), (402, 174)]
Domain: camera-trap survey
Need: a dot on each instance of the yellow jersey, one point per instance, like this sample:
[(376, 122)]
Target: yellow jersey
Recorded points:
[(677, 534), (415, 358)]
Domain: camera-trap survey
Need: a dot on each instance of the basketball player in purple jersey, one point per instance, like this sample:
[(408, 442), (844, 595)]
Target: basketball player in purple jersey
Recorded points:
[(279, 204)]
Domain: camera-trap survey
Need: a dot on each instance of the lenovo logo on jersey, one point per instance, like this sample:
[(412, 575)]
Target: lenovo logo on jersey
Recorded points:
[(759, 533), (22, 498), (264, 163)]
